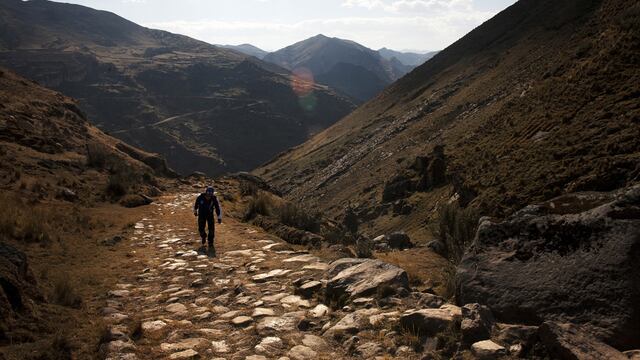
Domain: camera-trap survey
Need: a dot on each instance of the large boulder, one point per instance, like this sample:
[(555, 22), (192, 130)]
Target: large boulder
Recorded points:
[(569, 342), (430, 321), (575, 258), (364, 278)]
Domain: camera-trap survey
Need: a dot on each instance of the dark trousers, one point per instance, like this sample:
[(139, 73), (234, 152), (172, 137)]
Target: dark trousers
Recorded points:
[(208, 220)]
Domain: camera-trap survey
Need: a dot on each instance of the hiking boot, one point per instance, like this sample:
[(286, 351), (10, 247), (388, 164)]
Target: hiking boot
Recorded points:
[(211, 252)]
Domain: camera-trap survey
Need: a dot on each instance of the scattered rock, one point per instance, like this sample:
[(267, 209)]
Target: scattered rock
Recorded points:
[(301, 352), (242, 321), (176, 308), (369, 350), (135, 200), (270, 345), (365, 279), (260, 312), (295, 300), (113, 241), (186, 344), (438, 247), (315, 342), (427, 321), (186, 355), (487, 349), (319, 311), (513, 334), (477, 322), (219, 347), (308, 289), (351, 323)]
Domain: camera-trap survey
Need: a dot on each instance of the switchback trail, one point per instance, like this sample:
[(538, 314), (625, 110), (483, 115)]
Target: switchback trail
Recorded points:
[(238, 305)]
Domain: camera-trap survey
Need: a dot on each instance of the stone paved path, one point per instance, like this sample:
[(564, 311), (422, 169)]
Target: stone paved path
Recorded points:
[(238, 305)]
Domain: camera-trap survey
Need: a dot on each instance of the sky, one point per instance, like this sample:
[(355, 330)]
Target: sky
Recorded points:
[(418, 25)]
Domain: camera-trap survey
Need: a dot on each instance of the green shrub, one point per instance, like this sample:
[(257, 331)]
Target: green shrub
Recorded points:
[(456, 229), (296, 216), (260, 204)]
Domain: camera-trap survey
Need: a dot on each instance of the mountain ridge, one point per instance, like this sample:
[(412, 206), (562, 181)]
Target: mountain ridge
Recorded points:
[(487, 102), (131, 83)]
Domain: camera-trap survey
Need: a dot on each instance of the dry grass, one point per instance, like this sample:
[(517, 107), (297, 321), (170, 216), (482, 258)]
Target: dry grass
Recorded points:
[(65, 293), (22, 221), (298, 217), (260, 204)]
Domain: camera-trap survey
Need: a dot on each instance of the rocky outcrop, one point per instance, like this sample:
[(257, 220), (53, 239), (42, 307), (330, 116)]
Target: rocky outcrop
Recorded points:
[(364, 278), (569, 342), (18, 287), (396, 240), (575, 258)]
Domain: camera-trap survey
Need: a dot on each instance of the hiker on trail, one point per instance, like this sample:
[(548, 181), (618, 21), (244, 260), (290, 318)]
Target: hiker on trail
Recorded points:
[(205, 204)]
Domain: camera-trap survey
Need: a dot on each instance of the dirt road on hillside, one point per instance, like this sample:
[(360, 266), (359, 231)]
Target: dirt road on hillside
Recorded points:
[(239, 305)]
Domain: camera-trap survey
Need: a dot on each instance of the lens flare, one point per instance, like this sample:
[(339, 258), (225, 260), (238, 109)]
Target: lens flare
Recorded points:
[(302, 83)]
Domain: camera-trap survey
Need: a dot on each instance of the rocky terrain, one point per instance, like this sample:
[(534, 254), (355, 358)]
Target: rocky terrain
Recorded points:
[(499, 119), (202, 107), (344, 65)]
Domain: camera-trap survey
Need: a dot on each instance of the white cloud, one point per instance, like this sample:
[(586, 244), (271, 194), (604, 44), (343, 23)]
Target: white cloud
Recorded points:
[(432, 32), (403, 6)]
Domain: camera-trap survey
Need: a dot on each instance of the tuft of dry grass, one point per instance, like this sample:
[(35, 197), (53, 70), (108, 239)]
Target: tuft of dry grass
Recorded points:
[(260, 204), (65, 294), (298, 217)]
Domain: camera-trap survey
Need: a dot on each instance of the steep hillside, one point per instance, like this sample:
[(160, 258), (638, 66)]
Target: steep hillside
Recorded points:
[(341, 64), (204, 108), (247, 49), (407, 58), (62, 183), (539, 101)]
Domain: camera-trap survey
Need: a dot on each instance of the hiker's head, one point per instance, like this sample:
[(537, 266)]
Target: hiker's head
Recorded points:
[(209, 191)]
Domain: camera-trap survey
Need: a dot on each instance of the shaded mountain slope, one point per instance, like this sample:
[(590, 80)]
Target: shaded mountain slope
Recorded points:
[(407, 58), (47, 144), (498, 118), (163, 92), (331, 60)]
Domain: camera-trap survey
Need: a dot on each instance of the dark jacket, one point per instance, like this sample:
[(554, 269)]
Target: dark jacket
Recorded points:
[(205, 207)]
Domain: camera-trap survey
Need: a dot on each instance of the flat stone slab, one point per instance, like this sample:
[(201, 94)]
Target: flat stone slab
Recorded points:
[(259, 312), (187, 354), (302, 258), (176, 308), (242, 321), (295, 300)]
